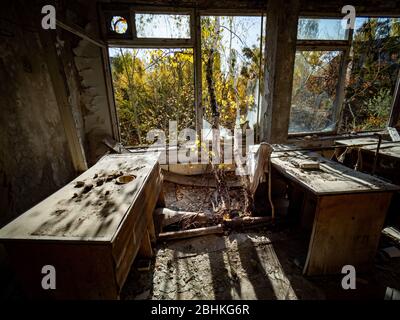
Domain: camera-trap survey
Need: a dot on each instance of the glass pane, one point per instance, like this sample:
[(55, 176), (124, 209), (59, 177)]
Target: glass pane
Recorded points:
[(152, 87), (314, 89), (171, 26), (232, 59), (320, 29), (119, 24), (372, 74)]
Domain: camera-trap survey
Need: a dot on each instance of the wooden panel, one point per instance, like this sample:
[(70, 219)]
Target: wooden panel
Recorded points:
[(145, 250), (346, 231), (280, 51), (128, 241), (60, 87), (82, 272), (308, 211), (137, 220), (357, 141)]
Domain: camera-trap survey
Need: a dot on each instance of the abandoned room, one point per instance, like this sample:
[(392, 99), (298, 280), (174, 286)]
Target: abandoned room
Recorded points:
[(200, 150)]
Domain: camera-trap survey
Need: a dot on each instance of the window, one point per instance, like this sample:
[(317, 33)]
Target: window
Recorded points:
[(169, 26), (143, 28), (315, 79), (232, 48), (321, 29), (372, 74), (316, 75), (343, 80), (154, 79), (152, 87), (332, 95), (119, 25)]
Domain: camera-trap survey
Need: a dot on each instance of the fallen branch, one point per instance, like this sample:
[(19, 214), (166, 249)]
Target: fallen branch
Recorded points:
[(248, 222), (190, 233), (166, 216)]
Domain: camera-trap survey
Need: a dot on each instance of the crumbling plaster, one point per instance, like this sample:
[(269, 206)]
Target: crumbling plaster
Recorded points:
[(89, 63), (34, 157)]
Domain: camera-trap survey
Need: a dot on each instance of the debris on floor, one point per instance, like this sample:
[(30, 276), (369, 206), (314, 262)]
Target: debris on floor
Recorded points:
[(260, 263), (237, 266)]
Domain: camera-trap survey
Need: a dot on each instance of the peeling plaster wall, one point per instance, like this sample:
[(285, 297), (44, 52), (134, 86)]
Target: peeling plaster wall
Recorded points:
[(35, 159), (89, 63), (74, 91), (34, 155)]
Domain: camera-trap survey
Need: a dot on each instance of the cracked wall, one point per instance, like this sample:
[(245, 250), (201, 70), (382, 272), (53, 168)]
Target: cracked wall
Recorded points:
[(89, 63), (86, 62), (34, 156)]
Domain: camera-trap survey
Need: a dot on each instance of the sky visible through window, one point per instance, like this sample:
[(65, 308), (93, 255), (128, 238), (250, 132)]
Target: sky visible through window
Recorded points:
[(247, 35)]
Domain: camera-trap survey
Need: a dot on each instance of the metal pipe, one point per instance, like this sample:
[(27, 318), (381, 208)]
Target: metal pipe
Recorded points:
[(377, 152)]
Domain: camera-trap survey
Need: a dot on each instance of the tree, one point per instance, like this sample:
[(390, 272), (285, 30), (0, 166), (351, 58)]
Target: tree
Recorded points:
[(152, 87), (373, 74)]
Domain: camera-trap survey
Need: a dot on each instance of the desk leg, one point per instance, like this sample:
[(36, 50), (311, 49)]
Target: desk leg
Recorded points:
[(161, 199), (145, 250)]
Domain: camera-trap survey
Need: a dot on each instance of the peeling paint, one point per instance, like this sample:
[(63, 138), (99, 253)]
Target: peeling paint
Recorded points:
[(34, 157), (88, 61)]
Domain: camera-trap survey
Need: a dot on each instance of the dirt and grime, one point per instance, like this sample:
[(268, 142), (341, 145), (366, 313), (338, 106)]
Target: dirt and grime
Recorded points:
[(260, 264)]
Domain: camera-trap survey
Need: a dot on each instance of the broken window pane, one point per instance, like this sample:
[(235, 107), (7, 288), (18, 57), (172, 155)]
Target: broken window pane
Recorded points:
[(170, 26), (372, 74), (232, 60), (315, 79), (151, 88), (320, 29), (119, 24)]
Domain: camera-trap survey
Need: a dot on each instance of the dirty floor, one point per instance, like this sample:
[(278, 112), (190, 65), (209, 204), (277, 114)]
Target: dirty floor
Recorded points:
[(252, 265), (261, 264)]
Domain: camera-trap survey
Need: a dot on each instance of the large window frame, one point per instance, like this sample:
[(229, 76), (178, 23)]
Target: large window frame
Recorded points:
[(130, 40), (344, 46), (133, 41), (233, 13), (194, 42)]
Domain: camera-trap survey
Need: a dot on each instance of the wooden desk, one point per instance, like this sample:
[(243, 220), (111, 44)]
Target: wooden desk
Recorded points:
[(91, 238), (388, 164), (346, 209), (386, 149)]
